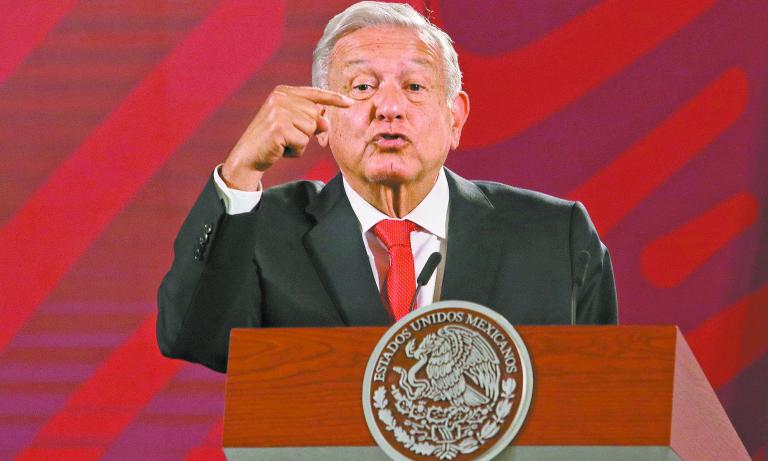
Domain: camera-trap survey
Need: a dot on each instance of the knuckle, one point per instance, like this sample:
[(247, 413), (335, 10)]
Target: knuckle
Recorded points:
[(275, 126), (278, 115), (276, 98), (304, 122), (271, 101), (272, 115)]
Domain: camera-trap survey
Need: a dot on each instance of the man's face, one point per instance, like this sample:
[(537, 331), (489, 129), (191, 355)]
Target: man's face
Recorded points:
[(401, 127)]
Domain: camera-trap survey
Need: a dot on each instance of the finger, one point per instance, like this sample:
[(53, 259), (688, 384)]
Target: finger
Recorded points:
[(302, 105), (320, 96), (305, 124), (295, 141)]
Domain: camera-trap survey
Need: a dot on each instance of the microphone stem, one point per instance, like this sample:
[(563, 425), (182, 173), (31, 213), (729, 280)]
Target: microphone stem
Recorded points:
[(425, 275), (415, 295), (574, 289)]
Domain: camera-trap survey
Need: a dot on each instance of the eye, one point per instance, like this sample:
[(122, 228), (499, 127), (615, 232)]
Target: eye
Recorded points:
[(363, 87), (415, 87)]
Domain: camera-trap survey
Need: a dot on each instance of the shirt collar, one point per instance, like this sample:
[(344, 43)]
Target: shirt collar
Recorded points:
[(431, 214)]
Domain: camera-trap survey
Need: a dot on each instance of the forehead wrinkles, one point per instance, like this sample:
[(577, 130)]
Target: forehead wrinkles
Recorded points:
[(364, 47)]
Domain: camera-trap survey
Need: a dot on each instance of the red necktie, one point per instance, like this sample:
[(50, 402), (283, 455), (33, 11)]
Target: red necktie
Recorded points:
[(401, 278)]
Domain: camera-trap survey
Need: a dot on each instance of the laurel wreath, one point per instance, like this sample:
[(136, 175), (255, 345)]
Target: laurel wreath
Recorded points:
[(502, 410), (448, 450), (401, 435)]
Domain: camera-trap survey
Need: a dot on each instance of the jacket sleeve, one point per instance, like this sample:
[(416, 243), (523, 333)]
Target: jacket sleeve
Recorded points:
[(596, 299), (212, 286)]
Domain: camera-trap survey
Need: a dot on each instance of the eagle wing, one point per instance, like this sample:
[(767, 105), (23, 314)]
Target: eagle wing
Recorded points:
[(446, 380), (477, 360)]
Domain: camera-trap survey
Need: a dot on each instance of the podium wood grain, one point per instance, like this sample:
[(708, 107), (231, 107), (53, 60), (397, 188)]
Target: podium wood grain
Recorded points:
[(297, 387), (593, 386)]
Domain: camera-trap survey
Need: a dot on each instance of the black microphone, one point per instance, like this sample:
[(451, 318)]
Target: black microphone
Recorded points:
[(425, 274), (579, 277)]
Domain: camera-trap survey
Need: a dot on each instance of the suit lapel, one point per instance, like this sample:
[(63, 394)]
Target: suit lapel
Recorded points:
[(337, 250), (475, 244)]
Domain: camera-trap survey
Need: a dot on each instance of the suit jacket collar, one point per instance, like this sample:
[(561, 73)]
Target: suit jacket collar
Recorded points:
[(336, 247), (337, 250), (475, 243), (431, 214)]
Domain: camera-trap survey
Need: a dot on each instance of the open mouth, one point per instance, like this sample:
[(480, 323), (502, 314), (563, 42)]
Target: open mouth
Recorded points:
[(390, 140)]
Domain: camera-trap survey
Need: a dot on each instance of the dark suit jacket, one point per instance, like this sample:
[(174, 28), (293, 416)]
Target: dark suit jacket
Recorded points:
[(298, 260)]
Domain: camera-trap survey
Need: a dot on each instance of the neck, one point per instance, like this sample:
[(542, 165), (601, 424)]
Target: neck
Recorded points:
[(395, 200)]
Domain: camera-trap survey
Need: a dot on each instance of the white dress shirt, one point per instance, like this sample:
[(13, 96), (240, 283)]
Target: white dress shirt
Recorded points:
[(431, 215)]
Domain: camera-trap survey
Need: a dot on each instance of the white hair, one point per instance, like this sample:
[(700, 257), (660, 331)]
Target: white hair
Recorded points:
[(367, 14)]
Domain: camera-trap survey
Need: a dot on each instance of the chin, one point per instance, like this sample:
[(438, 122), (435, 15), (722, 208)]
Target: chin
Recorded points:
[(393, 170), (391, 176)]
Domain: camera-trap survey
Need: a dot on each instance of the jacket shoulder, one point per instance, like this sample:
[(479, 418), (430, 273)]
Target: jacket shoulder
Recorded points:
[(294, 194), (505, 198)]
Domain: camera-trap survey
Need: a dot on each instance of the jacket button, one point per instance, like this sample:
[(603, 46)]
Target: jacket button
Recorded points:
[(203, 239), (198, 254), (207, 228)]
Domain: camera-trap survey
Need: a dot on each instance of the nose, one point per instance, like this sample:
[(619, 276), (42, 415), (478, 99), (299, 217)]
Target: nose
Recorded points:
[(389, 103)]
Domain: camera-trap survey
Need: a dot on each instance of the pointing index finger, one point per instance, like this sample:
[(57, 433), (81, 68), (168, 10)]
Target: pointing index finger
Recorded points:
[(324, 97)]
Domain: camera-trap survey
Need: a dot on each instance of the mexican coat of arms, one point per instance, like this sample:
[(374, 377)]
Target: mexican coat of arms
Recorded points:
[(451, 381)]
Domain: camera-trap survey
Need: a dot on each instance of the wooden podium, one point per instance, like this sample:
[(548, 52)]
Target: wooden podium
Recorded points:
[(600, 393)]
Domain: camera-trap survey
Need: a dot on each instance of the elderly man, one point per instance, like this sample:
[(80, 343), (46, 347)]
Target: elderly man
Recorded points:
[(387, 100)]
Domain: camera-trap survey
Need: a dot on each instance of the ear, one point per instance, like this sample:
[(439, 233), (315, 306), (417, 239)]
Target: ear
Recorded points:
[(322, 139), (460, 111), (322, 134)]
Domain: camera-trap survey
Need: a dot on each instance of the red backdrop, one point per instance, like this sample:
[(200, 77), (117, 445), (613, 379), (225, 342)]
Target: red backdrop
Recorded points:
[(113, 114)]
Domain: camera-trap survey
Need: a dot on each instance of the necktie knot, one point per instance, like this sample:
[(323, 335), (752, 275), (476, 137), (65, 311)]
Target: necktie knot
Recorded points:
[(394, 232)]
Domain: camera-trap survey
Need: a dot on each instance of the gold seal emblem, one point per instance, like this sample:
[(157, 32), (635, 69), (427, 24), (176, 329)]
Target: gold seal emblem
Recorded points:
[(450, 381)]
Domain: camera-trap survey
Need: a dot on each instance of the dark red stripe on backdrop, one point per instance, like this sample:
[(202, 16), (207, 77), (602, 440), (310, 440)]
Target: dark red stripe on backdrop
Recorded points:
[(732, 339), (669, 259), (107, 402), (71, 209), (651, 161), (529, 84), (23, 25)]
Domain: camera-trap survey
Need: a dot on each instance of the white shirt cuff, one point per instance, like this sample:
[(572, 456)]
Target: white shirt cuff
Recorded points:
[(235, 201)]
